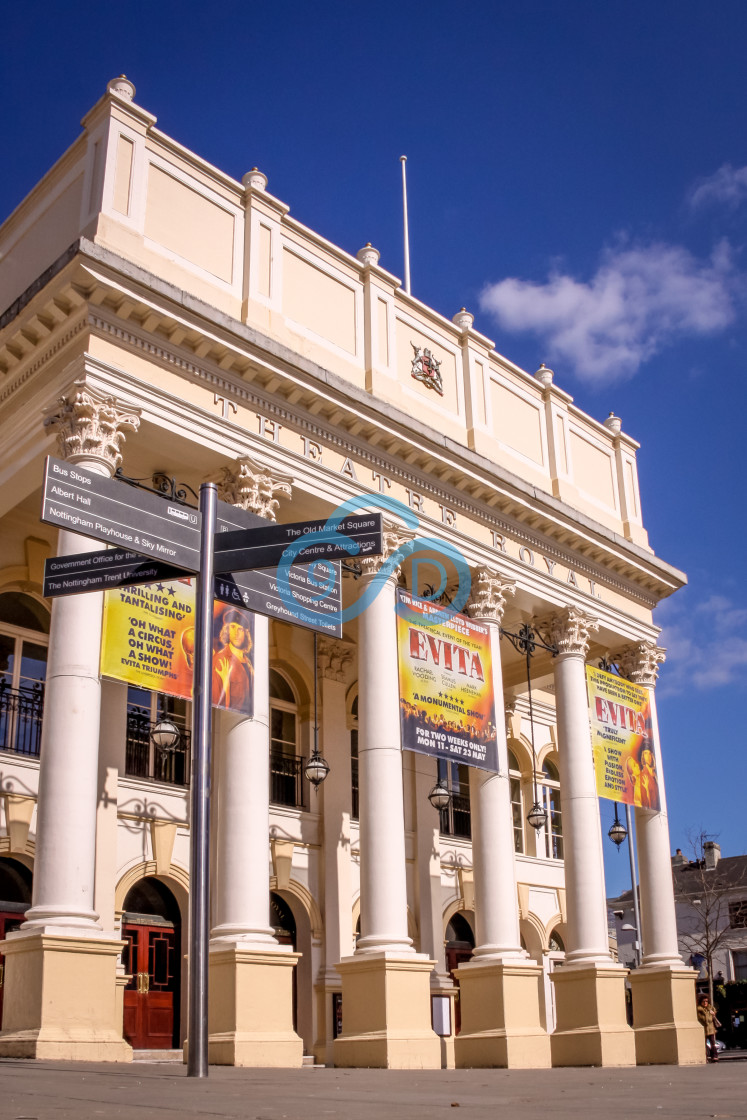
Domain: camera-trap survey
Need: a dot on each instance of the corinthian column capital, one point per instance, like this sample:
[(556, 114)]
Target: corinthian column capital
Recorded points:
[(569, 630), (250, 485), (393, 538), (489, 594), (640, 662), (90, 427)]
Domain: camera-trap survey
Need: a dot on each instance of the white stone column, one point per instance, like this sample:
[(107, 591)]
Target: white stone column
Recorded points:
[(500, 986), (386, 998), (496, 903), (250, 996), (589, 988), (663, 988), (61, 965), (382, 818), (587, 940)]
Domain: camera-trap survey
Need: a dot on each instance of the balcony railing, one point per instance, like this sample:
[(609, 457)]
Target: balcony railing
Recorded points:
[(21, 712), (286, 780), (456, 818), (144, 759)]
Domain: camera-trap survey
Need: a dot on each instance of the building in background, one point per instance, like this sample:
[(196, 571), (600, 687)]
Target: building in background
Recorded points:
[(164, 319)]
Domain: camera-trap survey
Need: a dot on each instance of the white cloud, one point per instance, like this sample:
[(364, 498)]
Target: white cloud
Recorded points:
[(641, 298), (705, 644), (727, 186)]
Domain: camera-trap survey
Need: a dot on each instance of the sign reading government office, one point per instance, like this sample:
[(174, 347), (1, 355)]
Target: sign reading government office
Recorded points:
[(94, 505), (445, 685)]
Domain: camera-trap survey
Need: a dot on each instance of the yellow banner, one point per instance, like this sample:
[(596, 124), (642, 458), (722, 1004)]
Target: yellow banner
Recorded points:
[(148, 640), (445, 685), (622, 740)]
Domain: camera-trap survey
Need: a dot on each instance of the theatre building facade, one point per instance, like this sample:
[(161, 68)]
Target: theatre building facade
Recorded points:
[(169, 322)]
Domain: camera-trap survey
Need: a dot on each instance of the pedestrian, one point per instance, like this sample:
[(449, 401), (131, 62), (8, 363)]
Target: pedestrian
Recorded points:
[(707, 1016)]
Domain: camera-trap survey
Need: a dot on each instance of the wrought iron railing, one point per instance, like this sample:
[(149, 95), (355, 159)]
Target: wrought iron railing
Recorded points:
[(21, 712), (286, 780), (456, 818), (143, 759)]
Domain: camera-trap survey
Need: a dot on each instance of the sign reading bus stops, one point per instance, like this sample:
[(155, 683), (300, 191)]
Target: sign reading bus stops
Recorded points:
[(108, 510), (264, 547)]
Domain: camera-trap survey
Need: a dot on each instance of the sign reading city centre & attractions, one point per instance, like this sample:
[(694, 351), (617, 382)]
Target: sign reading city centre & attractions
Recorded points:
[(446, 700), (622, 740)]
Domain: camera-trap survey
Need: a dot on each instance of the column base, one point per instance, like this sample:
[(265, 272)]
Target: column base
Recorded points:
[(665, 1021), (500, 1012), (60, 999), (386, 1013), (592, 1028), (250, 1009)]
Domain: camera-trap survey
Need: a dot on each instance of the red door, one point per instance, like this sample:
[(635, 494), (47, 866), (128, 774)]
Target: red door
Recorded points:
[(8, 922), (454, 957), (151, 960)]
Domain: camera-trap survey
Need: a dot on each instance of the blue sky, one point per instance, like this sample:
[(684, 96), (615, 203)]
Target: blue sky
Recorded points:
[(577, 178)]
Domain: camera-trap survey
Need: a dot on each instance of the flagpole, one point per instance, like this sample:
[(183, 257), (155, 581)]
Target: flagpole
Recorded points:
[(403, 161)]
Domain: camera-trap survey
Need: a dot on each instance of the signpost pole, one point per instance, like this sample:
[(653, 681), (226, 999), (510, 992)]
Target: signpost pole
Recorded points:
[(199, 897)]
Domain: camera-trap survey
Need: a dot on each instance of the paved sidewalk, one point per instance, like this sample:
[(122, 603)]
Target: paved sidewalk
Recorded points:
[(77, 1091)]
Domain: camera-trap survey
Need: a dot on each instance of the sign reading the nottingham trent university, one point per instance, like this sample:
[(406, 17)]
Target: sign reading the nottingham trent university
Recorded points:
[(622, 740), (109, 510), (445, 685)]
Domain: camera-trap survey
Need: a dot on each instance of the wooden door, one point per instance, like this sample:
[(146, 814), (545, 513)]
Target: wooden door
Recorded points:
[(151, 960), (8, 922), (456, 955)]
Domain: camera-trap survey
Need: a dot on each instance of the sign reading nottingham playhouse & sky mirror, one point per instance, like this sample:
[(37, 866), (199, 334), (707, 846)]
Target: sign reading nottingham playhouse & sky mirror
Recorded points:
[(445, 684)]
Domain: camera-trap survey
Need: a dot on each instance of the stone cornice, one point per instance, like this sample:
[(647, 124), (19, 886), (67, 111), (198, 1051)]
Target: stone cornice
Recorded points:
[(286, 386)]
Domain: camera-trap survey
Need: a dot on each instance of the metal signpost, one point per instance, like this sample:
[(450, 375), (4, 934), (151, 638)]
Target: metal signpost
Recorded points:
[(109, 510), (225, 549)]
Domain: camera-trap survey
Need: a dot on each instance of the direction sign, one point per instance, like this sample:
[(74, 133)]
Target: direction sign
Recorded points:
[(99, 571), (259, 591), (108, 510), (263, 547)]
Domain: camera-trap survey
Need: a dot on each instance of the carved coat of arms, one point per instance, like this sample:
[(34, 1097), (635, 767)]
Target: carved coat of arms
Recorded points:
[(427, 369)]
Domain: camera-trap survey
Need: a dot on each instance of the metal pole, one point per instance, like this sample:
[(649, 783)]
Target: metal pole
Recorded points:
[(403, 161), (634, 883), (199, 882)]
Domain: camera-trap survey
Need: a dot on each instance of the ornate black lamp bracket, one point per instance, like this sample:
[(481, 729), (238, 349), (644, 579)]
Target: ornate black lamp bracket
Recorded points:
[(163, 485)]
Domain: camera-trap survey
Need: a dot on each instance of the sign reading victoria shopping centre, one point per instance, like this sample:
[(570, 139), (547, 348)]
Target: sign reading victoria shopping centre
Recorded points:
[(445, 684)]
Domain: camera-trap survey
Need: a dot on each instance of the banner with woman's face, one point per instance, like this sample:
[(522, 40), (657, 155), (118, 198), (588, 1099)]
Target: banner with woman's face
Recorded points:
[(622, 740)]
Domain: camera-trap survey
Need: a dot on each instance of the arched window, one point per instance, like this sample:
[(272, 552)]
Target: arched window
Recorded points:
[(552, 835), (286, 768), (143, 759), (24, 630), (514, 775)]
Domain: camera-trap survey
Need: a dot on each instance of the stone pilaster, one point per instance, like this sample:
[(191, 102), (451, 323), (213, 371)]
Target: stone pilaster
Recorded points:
[(385, 985), (499, 987), (60, 985), (663, 989), (589, 988), (251, 976)]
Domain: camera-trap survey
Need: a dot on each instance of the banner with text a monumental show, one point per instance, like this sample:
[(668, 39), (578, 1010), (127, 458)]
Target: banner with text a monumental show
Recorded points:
[(148, 640), (445, 685), (622, 740)]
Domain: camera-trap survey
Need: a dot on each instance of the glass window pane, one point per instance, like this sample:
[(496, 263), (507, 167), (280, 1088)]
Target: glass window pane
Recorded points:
[(33, 663), (279, 688), (7, 657), (21, 610)]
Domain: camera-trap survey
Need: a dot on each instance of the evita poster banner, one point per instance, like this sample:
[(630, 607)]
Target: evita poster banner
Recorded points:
[(445, 685), (148, 640), (622, 740)]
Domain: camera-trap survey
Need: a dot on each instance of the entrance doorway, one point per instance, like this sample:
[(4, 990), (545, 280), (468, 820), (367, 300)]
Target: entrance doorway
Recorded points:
[(460, 943), (15, 899), (151, 928), (284, 927)]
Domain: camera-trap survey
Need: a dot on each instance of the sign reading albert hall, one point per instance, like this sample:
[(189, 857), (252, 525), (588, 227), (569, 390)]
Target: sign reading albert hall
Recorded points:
[(445, 685)]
